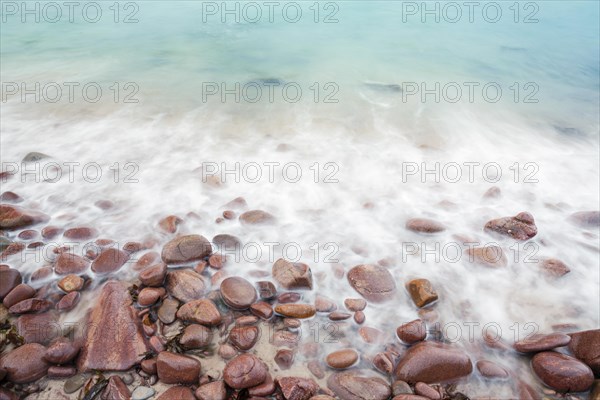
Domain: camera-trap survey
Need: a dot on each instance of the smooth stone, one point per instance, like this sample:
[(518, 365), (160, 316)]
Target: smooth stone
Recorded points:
[(15, 217), (339, 316), (266, 290), (542, 342), (371, 335), (68, 301), (9, 279), (421, 291), (373, 282), (520, 227), (113, 339), (585, 346), (74, 383), (554, 268), (284, 358), (359, 317), (245, 371), (142, 393), (186, 248), (149, 295), (177, 393), (25, 363), (33, 305), (168, 310), (491, 370), (586, 219), (34, 156), (431, 362), (238, 293), (177, 368), (19, 293), (292, 275), (80, 233), (71, 283), (353, 386), (262, 310), (257, 217), (225, 243), (67, 263), (154, 275), (265, 389), (109, 260), (61, 351), (226, 351), (427, 391), (212, 391), (203, 312), (489, 256), (195, 337), (342, 359), (34, 328), (243, 337), (116, 389), (355, 304), (296, 388), (561, 372), (323, 304), (149, 366), (424, 225), (295, 310), (169, 223), (400, 387), (185, 285), (412, 332)]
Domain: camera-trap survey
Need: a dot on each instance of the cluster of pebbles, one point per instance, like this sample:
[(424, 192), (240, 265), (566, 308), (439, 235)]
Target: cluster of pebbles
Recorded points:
[(185, 329)]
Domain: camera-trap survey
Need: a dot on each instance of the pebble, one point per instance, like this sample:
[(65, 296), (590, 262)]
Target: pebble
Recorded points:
[(67, 263), (296, 388), (186, 248), (109, 260), (116, 389), (30, 305), (355, 304), (14, 217), (266, 290), (489, 256), (142, 393), (185, 285), (359, 317), (400, 387), (292, 275), (177, 368), (353, 386), (203, 311), (149, 366), (25, 363), (315, 368), (542, 342), (289, 297), (339, 316), (520, 227), (61, 351), (169, 223), (324, 304), (554, 268), (74, 383), (262, 310), (371, 335), (68, 301), (342, 359), (177, 393), (264, 389), (238, 293), (217, 261), (148, 296), (284, 358), (212, 391), (373, 282), (586, 219), (491, 370), (561, 372), (244, 337), (412, 332), (585, 346), (421, 291), (382, 362), (227, 351), (427, 391), (80, 233), (167, 311), (9, 279), (245, 371), (424, 225), (195, 337), (257, 217), (71, 283), (295, 310), (17, 294), (154, 275)]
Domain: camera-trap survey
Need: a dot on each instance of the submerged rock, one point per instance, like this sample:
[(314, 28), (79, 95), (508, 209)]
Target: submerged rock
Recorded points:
[(561, 372), (373, 282), (585, 346), (25, 364), (520, 227), (238, 293), (245, 371), (424, 225), (354, 386), (185, 249), (15, 217), (185, 285)]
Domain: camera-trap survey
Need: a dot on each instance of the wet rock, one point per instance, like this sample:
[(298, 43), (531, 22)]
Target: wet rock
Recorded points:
[(17, 294), (400, 387), (71, 283), (542, 342), (202, 311), (245, 371), (9, 279), (284, 358), (245, 320), (227, 351), (238, 293), (342, 359), (383, 363), (154, 276), (257, 217), (412, 332), (264, 389), (142, 393), (359, 317), (424, 225), (262, 310), (227, 243), (67, 263), (217, 261), (289, 297), (427, 391), (266, 290), (15, 217), (371, 335), (295, 310), (185, 285), (243, 337), (292, 275), (212, 391), (491, 370), (431, 362), (554, 268), (177, 368), (373, 282), (80, 233), (25, 364), (169, 224), (168, 310), (586, 219), (113, 339), (10, 197), (74, 383), (493, 193), (50, 232), (285, 338), (315, 368), (146, 260), (352, 386), (561, 372), (68, 301), (38, 328), (187, 248), (355, 304), (520, 227), (56, 371), (339, 316), (323, 304), (489, 256), (177, 393), (421, 291), (295, 388), (195, 337), (149, 296), (585, 346), (61, 351), (32, 305), (109, 260), (116, 389), (149, 366)]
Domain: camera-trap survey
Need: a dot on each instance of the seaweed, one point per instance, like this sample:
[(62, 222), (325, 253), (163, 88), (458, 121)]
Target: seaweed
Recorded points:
[(10, 335), (133, 290), (97, 388)]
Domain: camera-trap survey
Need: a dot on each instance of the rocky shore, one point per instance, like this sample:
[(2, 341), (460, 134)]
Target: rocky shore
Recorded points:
[(180, 326)]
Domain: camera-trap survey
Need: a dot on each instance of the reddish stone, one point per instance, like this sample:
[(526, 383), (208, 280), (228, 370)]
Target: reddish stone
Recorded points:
[(585, 346), (244, 337), (422, 292), (25, 364), (80, 233), (295, 388), (262, 310), (71, 283), (146, 260), (148, 296), (39, 328), (116, 389), (491, 370), (19, 293), (561, 372), (177, 393), (212, 391), (489, 256), (245, 371), (109, 260), (265, 389), (61, 351), (177, 368), (61, 372), (238, 293), (292, 275), (586, 219), (373, 282), (15, 217), (185, 249), (67, 263), (355, 304), (323, 304), (185, 285), (201, 311), (296, 310), (412, 332), (50, 232), (217, 261), (554, 268), (195, 337), (68, 301), (32, 305), (424, 225), (520, 227), (284, 358), (9, 279), (342, 359), (353, 386), (257, 217), (169, 224), (540, 342)]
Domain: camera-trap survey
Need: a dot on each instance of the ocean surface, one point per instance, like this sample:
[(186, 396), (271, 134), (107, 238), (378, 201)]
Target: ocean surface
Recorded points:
[(343, 121)]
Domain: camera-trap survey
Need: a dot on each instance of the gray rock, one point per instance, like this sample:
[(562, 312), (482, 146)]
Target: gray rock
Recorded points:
[(142, 393)]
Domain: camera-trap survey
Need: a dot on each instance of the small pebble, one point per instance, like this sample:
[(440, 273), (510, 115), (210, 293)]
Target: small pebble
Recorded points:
[(74, 383), (142, 393)]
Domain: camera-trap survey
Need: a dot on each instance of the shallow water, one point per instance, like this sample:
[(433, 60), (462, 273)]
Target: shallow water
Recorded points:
[(361, 139)]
